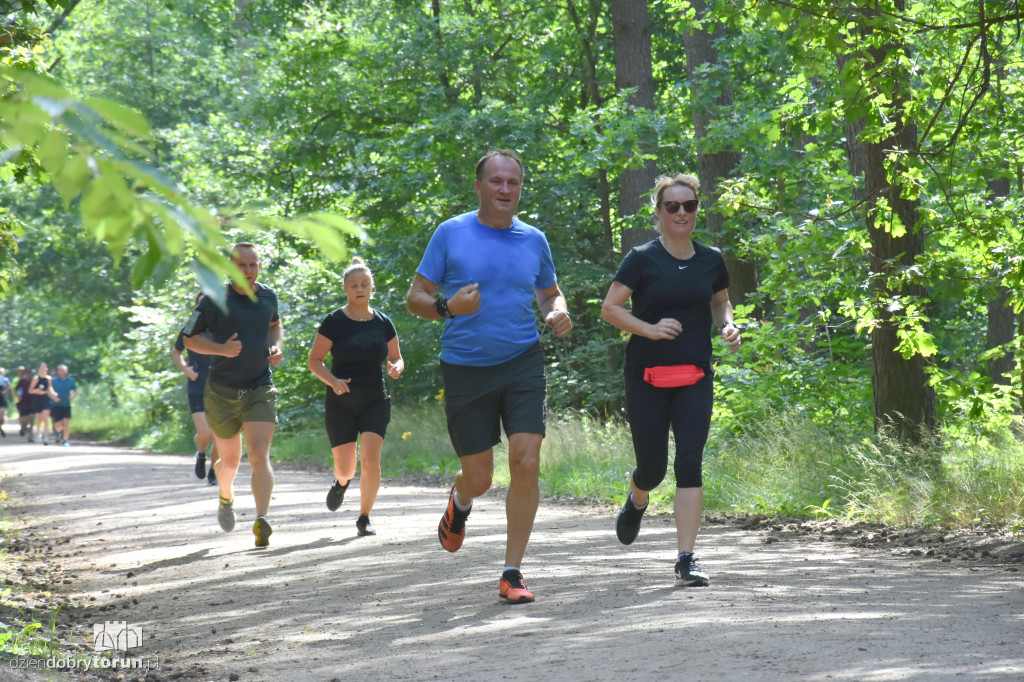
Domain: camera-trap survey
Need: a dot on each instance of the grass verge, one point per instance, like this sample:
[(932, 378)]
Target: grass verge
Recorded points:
[(785, 464)]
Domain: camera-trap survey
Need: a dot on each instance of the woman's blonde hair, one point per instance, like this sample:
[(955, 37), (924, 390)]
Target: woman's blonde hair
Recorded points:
[(663, 182), (357, 266)]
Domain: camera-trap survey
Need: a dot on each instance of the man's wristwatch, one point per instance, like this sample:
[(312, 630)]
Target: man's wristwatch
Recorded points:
[(441, 305)]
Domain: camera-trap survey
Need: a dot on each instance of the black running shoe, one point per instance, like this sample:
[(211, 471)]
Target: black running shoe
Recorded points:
[(226, 515), (689, 574), (335, 495), (262, 530), (363, 526), (627, 523), (200, 464)]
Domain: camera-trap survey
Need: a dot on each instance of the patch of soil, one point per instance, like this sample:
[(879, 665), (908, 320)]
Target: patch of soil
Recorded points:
[(990, 546)]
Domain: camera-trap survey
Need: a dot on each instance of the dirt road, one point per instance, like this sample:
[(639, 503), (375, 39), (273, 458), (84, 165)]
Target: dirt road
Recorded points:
[(131, 536)]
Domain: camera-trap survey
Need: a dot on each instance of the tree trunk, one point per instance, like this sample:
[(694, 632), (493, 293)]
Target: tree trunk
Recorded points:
[(1002, 322), (902, 396), (714, 164), (631, 25)]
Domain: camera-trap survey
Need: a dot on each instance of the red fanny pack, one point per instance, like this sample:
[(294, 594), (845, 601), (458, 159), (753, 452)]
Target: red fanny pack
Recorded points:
[(673, 376)]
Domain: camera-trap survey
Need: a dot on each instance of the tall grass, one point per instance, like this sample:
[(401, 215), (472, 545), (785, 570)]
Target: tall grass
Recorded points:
[(784, 464)]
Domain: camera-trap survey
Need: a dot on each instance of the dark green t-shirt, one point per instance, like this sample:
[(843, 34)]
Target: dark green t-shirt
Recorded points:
[(249, 319)]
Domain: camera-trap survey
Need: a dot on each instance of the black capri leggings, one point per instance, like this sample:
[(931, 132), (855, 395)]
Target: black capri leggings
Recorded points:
[(651, 410)]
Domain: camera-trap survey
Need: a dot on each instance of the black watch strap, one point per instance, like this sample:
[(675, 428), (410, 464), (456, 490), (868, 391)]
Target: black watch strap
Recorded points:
[(441, 305)]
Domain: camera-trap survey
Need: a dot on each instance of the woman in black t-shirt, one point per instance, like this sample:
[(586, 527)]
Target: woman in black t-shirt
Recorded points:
[(356, 405), (42, 393), (679, 288)]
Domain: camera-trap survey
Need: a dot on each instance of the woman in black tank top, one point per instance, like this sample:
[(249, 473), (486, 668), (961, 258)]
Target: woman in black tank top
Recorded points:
[(41, 394)]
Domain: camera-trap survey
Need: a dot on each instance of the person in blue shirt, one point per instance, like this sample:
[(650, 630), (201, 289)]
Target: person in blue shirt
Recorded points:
[(480, 274), (66, 390)]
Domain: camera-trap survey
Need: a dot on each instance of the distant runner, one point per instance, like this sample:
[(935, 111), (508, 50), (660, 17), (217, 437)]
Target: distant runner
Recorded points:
[(66, 390)]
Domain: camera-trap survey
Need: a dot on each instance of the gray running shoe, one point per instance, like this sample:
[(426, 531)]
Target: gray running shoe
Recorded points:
[(262, 530), (335, 495), (627, 523), (689, 574), (226, 515), (363, 526)]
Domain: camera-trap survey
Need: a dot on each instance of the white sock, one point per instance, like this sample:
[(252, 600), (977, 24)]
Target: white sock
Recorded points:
[(509, 568), (459, 505)]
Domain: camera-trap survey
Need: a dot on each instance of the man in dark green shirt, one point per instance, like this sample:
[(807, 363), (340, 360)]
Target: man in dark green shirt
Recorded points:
[(240, 397)]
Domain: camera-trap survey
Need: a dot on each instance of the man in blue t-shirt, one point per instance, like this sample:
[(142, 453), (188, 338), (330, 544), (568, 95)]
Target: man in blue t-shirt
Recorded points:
[(480, 273), (60, 407)]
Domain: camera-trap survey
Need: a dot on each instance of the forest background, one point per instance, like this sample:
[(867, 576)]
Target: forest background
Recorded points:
[(861, 170)]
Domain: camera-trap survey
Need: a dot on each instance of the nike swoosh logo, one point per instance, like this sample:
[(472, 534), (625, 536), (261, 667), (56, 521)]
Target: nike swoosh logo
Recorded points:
[(682, 267)]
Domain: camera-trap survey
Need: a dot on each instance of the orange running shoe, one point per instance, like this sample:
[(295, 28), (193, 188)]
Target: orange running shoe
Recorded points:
[(452, 529), (511, 589)]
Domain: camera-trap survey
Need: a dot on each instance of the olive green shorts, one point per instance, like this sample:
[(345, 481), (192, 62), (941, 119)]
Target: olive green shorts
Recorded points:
[(228, 408)]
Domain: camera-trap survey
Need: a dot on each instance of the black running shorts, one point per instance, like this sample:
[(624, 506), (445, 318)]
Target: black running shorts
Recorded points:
[(195, 403), (60, 412), (355, 412), (479, 400)]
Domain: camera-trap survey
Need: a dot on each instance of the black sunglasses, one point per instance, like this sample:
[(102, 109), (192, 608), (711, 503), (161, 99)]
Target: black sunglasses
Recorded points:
[(674, 206)]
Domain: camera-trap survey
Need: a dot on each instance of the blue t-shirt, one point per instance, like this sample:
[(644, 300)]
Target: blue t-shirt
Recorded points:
[(510, 265), (63, 388)]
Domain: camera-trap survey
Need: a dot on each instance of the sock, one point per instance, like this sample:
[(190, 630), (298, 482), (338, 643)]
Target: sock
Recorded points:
[(458, 503), (638, 506), (509, 568), (224, 501), (683, 555), (264, 517)]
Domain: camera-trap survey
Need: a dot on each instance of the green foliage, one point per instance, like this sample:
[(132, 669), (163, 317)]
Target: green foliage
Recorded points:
[(379, 110)]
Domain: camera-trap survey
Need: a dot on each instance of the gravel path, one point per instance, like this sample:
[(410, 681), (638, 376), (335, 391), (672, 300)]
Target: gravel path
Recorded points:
[(130, 536)]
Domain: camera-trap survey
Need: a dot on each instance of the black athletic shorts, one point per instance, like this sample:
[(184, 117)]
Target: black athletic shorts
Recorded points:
[(195, 403), (355, 412), (479, 400), (60, 412)]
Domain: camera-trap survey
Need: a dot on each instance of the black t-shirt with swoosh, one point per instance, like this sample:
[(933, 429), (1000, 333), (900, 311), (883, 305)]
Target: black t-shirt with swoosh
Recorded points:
[(665, 286)]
